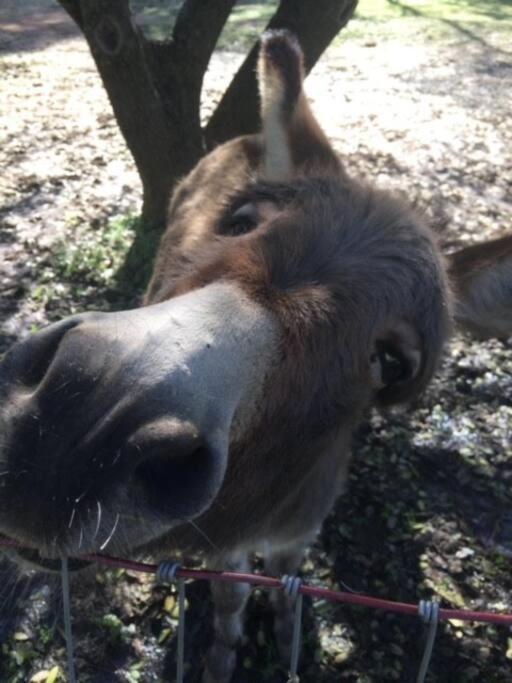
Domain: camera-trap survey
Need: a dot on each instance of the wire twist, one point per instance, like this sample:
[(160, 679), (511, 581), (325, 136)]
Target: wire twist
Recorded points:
[(167, 572), (428, 611), (292, 586)]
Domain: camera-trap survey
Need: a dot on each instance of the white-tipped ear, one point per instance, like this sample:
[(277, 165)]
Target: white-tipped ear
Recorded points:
[(280, 74), (482, 281), (293, 141)]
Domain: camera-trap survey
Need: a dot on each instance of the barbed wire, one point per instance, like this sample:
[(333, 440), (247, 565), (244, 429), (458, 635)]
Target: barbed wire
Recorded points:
[(171, 572), (313, 591)]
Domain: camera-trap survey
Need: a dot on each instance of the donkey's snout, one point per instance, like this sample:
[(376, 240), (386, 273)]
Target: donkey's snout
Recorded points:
[(100, 417), (120, 423)]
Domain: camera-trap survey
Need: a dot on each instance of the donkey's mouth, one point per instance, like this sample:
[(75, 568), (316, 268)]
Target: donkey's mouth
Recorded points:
[(37, 561), (33, 557)]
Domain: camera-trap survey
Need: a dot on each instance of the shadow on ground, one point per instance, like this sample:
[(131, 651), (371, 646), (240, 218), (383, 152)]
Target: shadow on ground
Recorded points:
[(25, 28)]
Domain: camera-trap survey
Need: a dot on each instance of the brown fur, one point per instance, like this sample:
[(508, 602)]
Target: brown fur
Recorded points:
[(336, 263), (482, 278)]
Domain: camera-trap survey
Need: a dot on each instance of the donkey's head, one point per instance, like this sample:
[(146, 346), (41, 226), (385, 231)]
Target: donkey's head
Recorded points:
[(286, 300)]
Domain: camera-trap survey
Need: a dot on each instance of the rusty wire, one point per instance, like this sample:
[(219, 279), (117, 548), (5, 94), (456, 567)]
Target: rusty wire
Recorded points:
[(180, 574)]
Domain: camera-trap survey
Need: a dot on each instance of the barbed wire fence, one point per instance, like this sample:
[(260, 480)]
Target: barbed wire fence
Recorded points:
[(430, 612)]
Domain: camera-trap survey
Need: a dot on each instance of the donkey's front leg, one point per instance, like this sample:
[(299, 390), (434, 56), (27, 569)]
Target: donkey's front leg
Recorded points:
[(229, 601), (280, 562)]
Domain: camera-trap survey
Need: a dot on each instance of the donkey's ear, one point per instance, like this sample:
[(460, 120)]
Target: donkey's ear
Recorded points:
[(292, 137), (482, 282)]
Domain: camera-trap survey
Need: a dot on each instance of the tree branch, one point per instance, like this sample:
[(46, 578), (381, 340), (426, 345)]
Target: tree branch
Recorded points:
[(72, 7), (178, 65), (238, 111), (197, 29)]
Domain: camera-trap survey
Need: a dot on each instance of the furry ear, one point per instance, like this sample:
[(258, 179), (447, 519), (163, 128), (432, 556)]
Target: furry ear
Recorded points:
[(396, 363), (482, 281), (292, 137), (280, 75)]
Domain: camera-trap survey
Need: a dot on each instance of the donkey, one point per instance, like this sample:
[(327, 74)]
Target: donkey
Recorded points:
[(286, 300)]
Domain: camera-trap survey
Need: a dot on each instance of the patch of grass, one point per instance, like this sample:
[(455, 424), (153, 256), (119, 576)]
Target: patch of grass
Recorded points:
[(157, 18), (245, 22), (375, 20), (97, 255), (426, 20), (81, 271), (454, 10)]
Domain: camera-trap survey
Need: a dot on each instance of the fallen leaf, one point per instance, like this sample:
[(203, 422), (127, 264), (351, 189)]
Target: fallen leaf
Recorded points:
[(46, 676)]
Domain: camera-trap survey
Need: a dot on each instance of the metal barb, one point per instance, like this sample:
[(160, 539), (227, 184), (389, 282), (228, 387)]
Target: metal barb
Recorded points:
[(429, 613), (292, 585), (167, 573)]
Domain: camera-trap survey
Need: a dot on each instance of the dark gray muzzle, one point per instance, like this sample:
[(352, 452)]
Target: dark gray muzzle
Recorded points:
[(121, 422), (98, 410)]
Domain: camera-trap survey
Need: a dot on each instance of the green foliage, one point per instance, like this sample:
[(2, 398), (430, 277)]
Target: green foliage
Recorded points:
[(112, 625), (246, 21), (97, 255), (82, 271), (374, 19), (382, 20), (18, 656)]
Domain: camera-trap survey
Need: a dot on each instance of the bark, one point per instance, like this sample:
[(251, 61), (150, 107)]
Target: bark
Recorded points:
[(154, 87), (315, 23)]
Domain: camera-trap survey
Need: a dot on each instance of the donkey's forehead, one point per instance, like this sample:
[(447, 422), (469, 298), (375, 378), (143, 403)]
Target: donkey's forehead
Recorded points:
[(302, 190), (322, 230)]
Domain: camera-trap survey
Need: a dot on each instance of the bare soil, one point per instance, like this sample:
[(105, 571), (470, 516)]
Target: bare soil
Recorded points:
[(428, 506)]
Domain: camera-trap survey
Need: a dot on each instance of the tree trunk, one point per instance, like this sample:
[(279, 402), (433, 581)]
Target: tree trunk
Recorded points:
[(155, 90)]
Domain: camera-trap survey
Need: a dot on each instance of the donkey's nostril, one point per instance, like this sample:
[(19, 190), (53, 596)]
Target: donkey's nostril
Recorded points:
[(174, 482), (29, 361), (161, 472)]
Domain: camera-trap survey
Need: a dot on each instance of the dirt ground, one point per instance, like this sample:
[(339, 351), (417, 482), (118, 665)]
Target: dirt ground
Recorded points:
[(414, 103)]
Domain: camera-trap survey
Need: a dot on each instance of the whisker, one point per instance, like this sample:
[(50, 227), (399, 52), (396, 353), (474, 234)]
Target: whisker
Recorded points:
[(116, 458), (209, 541), (98, 522), (72, 518), (110, 536), (79, 498)]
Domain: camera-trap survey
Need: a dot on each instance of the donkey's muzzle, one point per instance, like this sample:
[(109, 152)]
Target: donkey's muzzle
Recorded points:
[(103, 414)]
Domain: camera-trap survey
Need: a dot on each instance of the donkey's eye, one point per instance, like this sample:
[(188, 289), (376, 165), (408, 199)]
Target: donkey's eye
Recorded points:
[(394, 365), (243, 220)]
